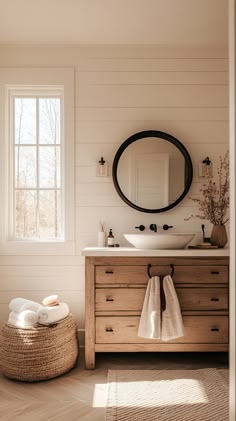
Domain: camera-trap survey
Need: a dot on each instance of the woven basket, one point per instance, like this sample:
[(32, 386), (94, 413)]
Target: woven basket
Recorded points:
[(39, 353)]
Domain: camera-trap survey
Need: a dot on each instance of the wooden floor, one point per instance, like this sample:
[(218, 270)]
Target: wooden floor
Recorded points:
[(80, 394)]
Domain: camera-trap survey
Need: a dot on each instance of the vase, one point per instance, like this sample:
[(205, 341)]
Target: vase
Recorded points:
[(101, 239), (219, 236)]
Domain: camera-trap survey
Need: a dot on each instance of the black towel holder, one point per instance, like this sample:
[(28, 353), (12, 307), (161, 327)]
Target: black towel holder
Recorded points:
[(149, 267)]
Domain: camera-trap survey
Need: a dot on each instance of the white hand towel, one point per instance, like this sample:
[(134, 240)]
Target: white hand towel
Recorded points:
[(150, 320), (51, 300), (50, 315), (25, 320), (18, 305), (172, 323)]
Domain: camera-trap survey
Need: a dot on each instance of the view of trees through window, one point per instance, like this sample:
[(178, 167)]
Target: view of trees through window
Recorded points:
[(37, 168)]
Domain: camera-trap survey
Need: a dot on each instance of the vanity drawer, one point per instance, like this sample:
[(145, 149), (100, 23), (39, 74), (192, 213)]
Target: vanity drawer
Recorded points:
[(131, 299), (138, 274), (198, 329), (203, 299), (119, 299), (121, 275)]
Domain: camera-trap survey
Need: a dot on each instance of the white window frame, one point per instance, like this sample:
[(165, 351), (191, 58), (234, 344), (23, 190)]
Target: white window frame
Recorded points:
[(43, 81)]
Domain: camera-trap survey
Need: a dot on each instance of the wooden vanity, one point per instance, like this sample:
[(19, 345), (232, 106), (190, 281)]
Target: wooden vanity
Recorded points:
[(115, 287)]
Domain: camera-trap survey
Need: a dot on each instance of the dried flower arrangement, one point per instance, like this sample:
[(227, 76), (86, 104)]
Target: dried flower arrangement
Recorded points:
[(214, 204)]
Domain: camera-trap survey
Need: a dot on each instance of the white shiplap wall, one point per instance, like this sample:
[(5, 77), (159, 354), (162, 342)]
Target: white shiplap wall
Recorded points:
[(120, 91)]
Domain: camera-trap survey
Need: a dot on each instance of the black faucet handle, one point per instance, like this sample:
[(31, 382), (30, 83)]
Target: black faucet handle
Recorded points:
[(153, 227), (166, 227), (141, 227)]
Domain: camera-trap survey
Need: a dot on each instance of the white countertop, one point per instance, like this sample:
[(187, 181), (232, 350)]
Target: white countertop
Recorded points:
[(131, 251)]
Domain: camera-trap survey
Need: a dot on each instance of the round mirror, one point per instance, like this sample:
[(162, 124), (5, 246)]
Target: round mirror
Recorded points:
[(152, 171)]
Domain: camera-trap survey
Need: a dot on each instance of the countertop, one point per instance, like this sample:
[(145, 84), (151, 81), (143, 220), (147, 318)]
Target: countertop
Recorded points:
[(132, 251)]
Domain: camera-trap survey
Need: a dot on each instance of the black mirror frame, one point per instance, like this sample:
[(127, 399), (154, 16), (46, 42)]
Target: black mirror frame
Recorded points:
[(169, 138)]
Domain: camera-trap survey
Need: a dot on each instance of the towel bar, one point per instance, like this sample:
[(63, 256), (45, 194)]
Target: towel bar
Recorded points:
[(149, 267)]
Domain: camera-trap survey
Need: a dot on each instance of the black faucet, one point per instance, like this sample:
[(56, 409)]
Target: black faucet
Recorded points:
[(141, 227), (166, 227), (153, 227)]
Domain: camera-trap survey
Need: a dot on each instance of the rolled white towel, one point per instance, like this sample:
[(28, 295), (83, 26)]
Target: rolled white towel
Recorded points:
[(20, 304), (51, 300), (50, 315), (25, 320)]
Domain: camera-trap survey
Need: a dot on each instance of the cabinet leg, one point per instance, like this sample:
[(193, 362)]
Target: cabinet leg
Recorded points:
[(89, 360)]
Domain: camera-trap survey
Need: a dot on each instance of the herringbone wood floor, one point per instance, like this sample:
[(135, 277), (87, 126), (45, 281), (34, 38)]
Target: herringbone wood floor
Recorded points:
[(80, 394)]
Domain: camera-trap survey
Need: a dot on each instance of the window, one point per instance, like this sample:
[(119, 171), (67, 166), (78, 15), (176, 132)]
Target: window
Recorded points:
[(36, 153), (37, 161)]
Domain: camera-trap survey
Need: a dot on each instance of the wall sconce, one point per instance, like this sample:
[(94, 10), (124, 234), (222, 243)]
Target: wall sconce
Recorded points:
[(205, 168), (102, 168)]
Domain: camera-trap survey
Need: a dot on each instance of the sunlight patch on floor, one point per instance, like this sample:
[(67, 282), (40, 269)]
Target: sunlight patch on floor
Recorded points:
[(99, 395)]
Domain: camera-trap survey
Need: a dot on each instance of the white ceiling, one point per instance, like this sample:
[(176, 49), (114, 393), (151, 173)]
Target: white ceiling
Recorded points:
[(113, 22)]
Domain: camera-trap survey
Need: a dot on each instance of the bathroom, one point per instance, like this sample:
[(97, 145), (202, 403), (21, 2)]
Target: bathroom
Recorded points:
[(121, 87), (117, 93)]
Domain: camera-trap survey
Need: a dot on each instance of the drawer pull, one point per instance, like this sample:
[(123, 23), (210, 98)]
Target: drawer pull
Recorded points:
[(215, 272), (110, 272), (215, 299), (109, 329), (215, 329), (109, 299)]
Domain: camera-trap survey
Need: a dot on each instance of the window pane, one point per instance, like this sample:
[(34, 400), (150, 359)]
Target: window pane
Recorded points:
[(49, 214), (49, 166), (25, 166), (49, 120), (25, 120), (25, 206), (58, 157), (58, 214)]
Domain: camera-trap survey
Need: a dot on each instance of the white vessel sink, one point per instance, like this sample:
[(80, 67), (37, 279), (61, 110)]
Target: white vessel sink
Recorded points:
[(159, 240)]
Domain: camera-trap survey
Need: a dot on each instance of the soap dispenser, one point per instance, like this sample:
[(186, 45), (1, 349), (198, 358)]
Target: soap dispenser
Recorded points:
[(110, 239)]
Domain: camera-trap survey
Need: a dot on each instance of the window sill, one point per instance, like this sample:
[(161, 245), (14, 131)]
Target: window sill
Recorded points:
[(37, 248)]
